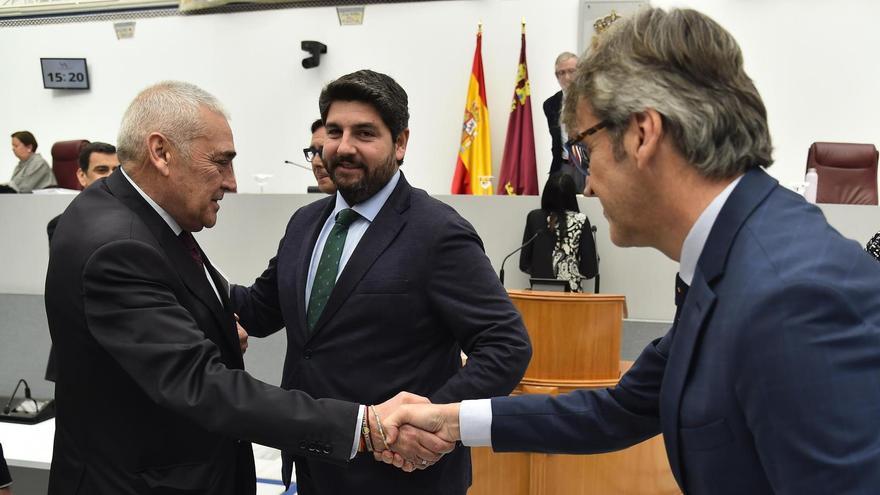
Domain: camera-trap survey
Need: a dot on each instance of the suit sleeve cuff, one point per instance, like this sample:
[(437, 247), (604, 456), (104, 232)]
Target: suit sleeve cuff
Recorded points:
[(475, 422), (357, 432)]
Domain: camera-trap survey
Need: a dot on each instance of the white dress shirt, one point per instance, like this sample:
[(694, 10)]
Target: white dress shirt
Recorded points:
[(475, 416), (367, 211)]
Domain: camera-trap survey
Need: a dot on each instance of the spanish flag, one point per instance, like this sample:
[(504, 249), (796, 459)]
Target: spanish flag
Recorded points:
[(519, 169), (473, 171)]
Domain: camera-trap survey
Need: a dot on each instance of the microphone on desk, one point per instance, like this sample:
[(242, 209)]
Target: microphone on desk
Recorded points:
[(298, 165), (27, 395), (501, 272), (23, 412)]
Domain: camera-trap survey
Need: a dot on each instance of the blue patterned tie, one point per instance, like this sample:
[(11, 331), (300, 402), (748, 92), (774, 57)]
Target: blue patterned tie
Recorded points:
[(328, 266)]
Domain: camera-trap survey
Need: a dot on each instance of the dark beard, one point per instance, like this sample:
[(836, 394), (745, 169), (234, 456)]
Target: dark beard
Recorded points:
[(366, 188)]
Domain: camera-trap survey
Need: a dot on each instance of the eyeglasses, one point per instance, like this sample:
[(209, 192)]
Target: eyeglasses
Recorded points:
[(311, 152), (565, 72), (578, 153)]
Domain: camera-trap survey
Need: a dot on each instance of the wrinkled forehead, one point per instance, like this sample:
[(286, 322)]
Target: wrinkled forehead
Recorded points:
[(569, 63)]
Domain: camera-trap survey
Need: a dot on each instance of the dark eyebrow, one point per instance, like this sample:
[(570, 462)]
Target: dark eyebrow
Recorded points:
[(365, 127), (357, 127)]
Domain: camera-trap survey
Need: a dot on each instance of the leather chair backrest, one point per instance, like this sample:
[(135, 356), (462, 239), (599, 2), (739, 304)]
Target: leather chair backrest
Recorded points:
[(65, 161), (847, 172)]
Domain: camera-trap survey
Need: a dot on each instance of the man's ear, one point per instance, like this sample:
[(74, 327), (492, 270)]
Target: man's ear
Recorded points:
[(649, 126), (400, 144), (159, 152), (81, 177)]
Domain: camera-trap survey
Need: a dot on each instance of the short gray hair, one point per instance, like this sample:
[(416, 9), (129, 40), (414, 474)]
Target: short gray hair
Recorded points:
[(563, 57), (169, 107), (689, 69)]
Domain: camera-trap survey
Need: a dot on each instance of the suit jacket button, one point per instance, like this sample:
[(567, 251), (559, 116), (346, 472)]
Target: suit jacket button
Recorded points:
[(307, 354)]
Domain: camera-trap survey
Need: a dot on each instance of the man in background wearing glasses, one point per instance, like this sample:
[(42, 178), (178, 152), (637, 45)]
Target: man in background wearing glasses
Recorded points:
[(767, 381), (313, 156), (565, 68)]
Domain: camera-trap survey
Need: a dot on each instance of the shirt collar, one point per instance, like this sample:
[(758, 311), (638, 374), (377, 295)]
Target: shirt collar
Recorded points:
[(369, 208), (699, 233), (162, 213)]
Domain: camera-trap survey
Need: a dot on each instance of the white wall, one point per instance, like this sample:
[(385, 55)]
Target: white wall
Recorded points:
[(813, 62), (815, 65), (251, 61)]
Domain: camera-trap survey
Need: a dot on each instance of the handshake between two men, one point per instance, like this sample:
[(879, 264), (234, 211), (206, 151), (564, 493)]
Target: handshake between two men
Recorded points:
[(409, 432)]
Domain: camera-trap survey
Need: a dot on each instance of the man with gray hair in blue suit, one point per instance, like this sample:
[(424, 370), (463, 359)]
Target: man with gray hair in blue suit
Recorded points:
[(769, 379)]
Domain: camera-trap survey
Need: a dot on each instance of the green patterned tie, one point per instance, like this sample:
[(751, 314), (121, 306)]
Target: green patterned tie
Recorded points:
[(328, 266)]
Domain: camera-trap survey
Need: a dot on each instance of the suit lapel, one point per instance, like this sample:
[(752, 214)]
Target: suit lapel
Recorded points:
[(231, 336), (752, 189), (307, 245), (695, 313), (376, 239), (190, 273), (193, 275)]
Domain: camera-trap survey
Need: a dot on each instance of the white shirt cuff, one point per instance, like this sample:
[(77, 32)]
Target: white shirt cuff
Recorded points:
[(475, 422), (357, 432)]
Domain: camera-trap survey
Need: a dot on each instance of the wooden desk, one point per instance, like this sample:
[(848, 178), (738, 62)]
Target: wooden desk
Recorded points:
[(576, 344)]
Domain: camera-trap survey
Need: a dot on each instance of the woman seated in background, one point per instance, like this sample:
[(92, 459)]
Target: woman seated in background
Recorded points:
[(563, 247), (32, 171)]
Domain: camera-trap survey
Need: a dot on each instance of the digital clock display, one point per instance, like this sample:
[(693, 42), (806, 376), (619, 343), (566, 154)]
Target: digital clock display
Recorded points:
[(65, 73)]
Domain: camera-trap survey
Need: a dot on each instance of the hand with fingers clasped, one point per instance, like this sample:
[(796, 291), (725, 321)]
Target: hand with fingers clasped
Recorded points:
[(439, 420), (405, 447)]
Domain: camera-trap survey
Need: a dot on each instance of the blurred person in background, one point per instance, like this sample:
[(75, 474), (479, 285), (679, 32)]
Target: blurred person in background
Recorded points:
[(32, 171), (313, 155), (564, 248)]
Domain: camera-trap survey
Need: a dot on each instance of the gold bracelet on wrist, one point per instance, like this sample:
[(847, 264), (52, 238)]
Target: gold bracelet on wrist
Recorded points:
[(379, 427), (365, 430)]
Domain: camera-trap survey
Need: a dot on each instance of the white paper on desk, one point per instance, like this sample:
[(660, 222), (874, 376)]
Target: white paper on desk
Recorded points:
[(55, 190), (29, 406)]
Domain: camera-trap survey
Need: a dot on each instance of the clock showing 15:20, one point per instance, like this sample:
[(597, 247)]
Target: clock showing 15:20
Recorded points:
[(65, 73)]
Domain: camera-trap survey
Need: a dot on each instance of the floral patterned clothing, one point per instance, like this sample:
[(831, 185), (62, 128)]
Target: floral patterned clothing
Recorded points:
[(565, 254)]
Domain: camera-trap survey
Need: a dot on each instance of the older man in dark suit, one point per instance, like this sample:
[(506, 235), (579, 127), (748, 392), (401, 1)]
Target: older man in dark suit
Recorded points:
[(151, 393), (767, 382), (381, 287), (564, 70)]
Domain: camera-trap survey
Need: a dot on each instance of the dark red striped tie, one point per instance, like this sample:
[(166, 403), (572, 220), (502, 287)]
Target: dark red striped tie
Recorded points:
[(190, 242)]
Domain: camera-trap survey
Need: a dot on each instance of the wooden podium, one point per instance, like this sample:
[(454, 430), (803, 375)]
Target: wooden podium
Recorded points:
[(575, 344)]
